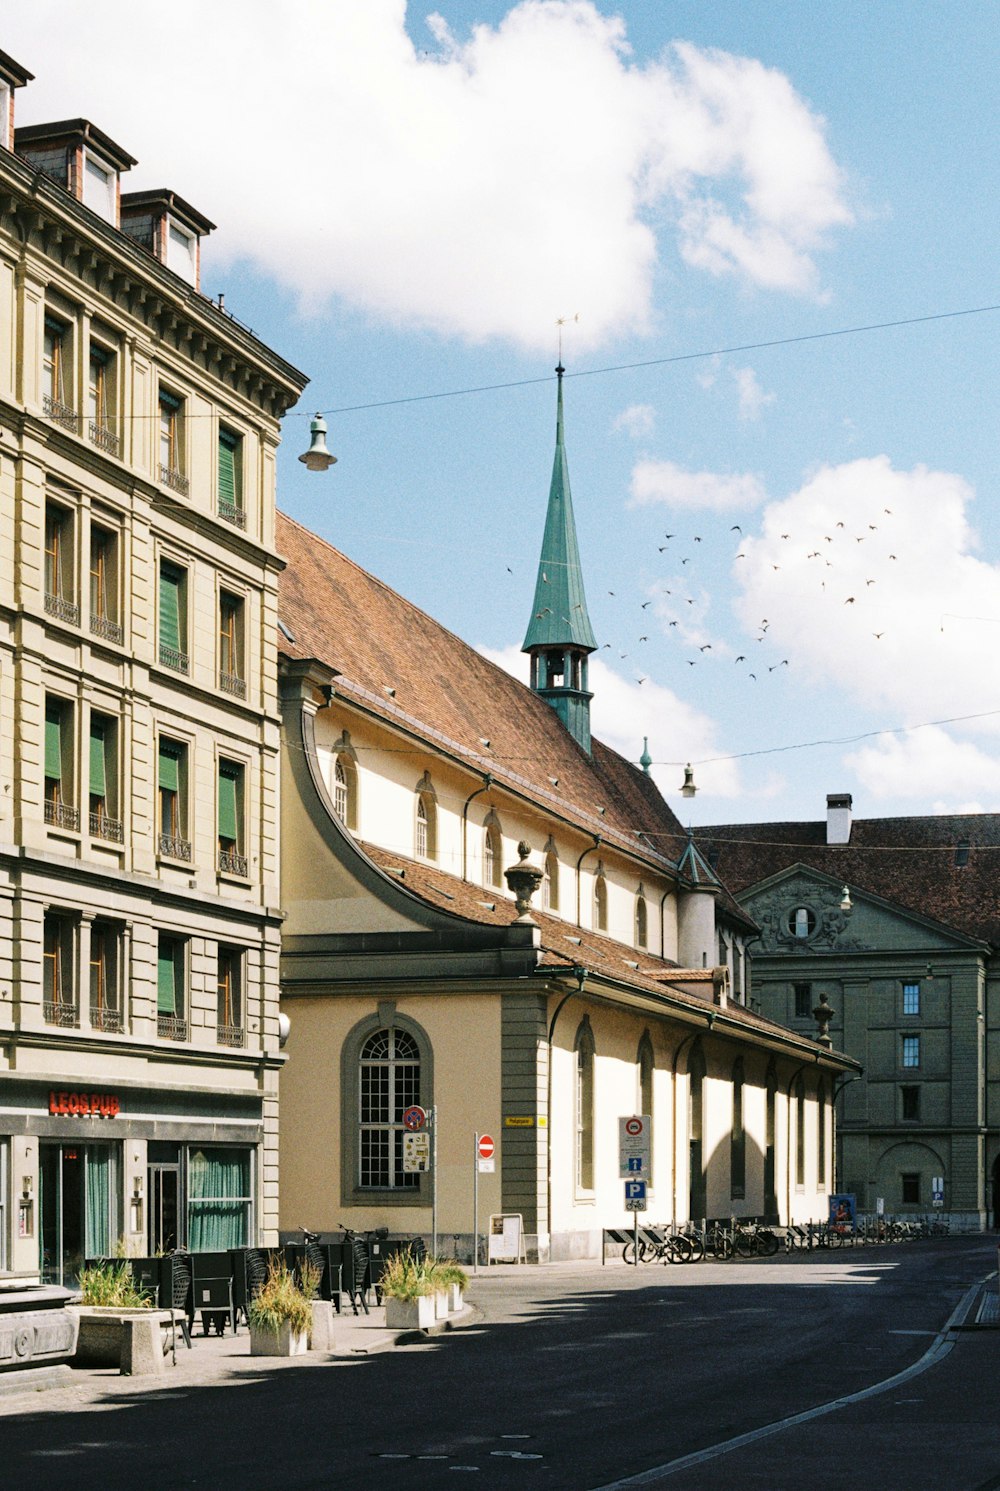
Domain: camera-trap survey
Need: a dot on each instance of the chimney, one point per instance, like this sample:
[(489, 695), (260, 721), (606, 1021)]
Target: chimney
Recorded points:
[(168, 228), (12, 75), (838, 818)]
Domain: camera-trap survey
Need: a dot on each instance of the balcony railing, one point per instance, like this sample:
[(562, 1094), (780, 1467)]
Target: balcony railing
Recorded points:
[(176, 480), (102, 1017), (61, 815), (171, 658), (62, 609), (172, 1027), (174, 848), (57, 1012), (231, 863), (111, 631), (61, 413), (103, 438), (231, 1035), (230, 513), (232, 683), (102, 827)]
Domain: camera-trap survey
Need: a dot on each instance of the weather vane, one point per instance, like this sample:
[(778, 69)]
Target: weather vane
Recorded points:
[(561, 322)]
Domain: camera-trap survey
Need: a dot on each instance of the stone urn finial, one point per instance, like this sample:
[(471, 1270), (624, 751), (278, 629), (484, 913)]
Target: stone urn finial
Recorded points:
[(523, 880), (823, 1014)]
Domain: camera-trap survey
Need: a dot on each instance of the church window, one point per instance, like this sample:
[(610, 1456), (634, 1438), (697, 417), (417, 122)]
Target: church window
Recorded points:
[(600, 901), (641, 920), (585, 1107), (492, 851)]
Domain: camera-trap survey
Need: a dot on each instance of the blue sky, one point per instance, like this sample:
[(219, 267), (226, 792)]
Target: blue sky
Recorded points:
[(408, 203)]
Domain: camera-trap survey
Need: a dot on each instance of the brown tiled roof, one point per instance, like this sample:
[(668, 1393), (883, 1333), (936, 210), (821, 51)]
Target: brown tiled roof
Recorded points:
[(446, 693), (914, 862)]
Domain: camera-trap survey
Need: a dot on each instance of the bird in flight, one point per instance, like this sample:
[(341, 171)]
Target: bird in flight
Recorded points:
[(877, 635), (869, 582), (736, 528), (707, 647), (849, 601), (741, 658), (648, 603)]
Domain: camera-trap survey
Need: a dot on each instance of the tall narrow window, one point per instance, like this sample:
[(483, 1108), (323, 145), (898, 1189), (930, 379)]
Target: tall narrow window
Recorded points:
[(104, 584), (171, 1008), (172, 459), (172, 790), (696, 1132), (738, 1137), (340, 794), (101, 399), (232, 673), (230, 479), (492, 851), (229, 1013), (911, 1050), (911, 999), (105, 821), (105, 1008), (59, 587), (173, 618), (822, 1118), (770, 1125), (425, 838), (600, 900), (799, 1099), (803, 1001), (641, 920), (388, 1084), (585, 1107), (232, 858), (100, 188), (550, 881), (59, 1006), (182, 253), (60, 810), (57, 368), (646, 1070)]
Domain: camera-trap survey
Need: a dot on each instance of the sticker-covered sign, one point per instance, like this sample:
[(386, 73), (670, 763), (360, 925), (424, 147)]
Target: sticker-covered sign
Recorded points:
[(416, 1153), (634, 1148)]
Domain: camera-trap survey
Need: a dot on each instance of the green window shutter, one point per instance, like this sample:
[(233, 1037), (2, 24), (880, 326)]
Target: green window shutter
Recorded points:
[(166, 981), (53, 741), (228, 778), (170, 609), (98, 775), (169, 771), (227, 468)]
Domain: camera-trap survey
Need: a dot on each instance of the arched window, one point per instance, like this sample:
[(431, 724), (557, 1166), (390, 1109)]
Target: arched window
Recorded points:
[(799, 1095), (822, 1118), (584, 1106), (645, 1062), (696, 1122), (344, 782), (600, 900), (425, 838), (388, 1084), (801, 922), (641, 920), (340, 794), (738, 1137), (550, 879), (770, 1177), (492, 851)]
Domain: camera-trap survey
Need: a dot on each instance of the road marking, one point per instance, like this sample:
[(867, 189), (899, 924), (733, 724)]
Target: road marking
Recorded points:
[(940, 1347)]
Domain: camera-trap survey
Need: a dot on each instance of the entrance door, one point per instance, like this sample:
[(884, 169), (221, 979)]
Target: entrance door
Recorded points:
[(78, 1208), (164, 1189)]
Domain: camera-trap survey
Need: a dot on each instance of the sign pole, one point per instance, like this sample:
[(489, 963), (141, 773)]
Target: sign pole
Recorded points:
[(475, 1206), (434, 1182), (635, 1218)]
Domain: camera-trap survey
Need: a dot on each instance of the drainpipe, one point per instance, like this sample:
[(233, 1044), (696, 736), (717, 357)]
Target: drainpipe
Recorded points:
[(594, 846), (581, 979), (487, 784)]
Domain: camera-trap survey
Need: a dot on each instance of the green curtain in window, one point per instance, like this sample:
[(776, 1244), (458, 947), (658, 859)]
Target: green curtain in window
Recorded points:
[(218, 1199), (228, 776), (166, 981), (169, 771), (227, 468), (97, 1200), (53, 742), (98, 774), (170, 609)]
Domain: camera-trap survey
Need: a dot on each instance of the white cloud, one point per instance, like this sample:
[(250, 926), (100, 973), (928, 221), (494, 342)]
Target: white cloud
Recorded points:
[(930, 766), (440, 188), (752, 396), (637, 420), (663, 482)]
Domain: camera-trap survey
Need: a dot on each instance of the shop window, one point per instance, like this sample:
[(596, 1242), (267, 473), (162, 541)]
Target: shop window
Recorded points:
[(229, 1014), (425, 839), (173, 617), (105, 818), (60, 808), (232, 668), (911, 999), (79, 1207), (105, 980), (911, 1051), (171, 988), (585, 1059), (550, 879), (232, 854), (57, 372), (803, 1001), (600, 900), (59, 1001), (172, 778), (641, 920), (492, 851), (172, 439), (220, 1200), (104, 607), (101, 365), (60, 587), (738, 1137), (909, 1188), (909, 1103), (388, 1083), (230, 479)]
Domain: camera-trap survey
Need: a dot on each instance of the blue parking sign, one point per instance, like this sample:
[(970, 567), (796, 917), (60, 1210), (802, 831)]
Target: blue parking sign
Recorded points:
[(635, 1195)]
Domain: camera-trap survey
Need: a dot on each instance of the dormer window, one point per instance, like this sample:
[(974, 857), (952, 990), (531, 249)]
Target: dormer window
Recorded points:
[(100, 185), (182, 253), (5, 115)]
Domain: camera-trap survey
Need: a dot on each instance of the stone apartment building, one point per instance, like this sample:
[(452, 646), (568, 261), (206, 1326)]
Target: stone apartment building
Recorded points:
[(139, 931)]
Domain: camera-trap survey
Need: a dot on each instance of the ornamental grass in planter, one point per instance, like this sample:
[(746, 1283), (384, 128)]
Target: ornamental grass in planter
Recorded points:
[(109, 1296), (280, 1315), (408, 1288), (454, 1279)]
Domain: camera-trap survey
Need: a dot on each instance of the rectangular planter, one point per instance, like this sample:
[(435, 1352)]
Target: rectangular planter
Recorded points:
[(409, 1314), (102, 1333), (454, 1297), (283, 1342)]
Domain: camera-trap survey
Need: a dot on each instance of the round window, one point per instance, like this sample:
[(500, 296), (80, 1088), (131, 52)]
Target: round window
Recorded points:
[(801, 922)]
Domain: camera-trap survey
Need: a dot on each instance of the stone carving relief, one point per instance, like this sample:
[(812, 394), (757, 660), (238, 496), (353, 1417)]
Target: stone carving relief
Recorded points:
[(803, 915)]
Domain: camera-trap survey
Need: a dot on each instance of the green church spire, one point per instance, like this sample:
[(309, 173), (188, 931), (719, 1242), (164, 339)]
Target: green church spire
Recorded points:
[(559, 636)]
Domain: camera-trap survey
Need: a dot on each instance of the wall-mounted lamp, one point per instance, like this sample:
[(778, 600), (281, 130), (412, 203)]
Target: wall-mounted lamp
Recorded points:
[(846, 905), (317, 457), (688, 788)]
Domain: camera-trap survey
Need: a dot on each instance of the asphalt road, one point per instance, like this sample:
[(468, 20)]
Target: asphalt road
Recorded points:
[(573, 1379)]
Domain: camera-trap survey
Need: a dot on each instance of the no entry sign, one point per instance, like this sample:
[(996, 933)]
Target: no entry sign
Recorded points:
[(486, 1147)]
